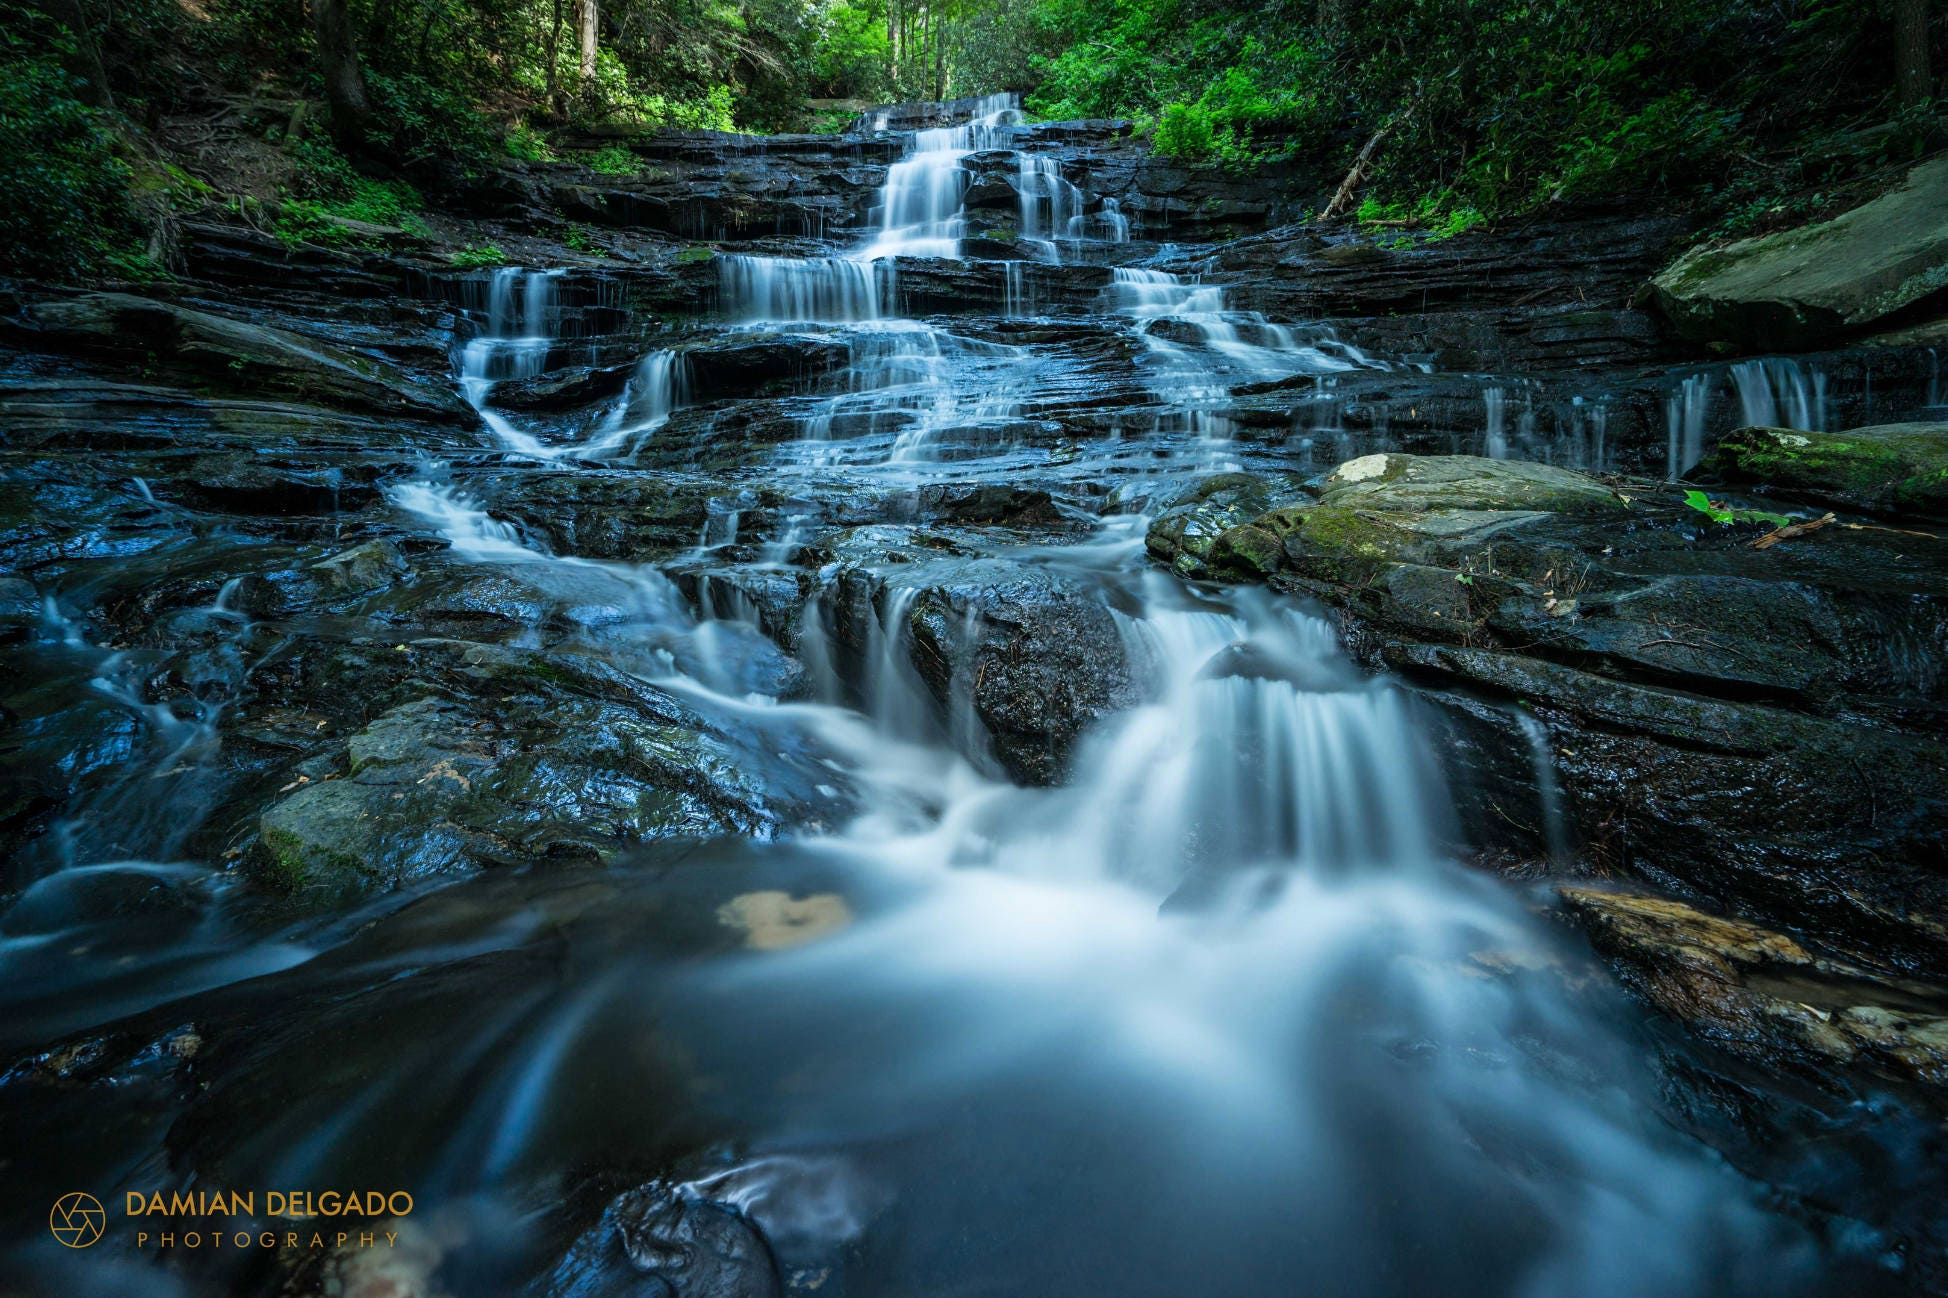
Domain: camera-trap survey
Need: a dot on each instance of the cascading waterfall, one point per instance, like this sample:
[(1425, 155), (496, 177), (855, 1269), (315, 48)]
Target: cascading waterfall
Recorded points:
[(1050, 205), (511, 344), (1187, 379), (920, 212), (1685, 411), (1108, 224), (829, 290), (523, 326), (1777, 392)]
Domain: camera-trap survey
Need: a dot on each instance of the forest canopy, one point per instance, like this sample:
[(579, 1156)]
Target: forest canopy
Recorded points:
[(1461, 110)]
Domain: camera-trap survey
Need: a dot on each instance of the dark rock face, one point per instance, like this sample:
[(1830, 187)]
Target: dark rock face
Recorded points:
[(234, 353), (1039, 659)]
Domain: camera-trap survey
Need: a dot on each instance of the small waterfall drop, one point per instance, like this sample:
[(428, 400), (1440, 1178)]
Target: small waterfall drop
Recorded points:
[(1777, 392), (1685, 412)]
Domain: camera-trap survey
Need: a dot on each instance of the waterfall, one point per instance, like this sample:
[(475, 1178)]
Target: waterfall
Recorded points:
[(920, 212), (1776, 392), (513, 341), (1112, 225), (1495, 439), (1685, 412), (522, 327), (827, 290), (654, 392), (1050, 205)]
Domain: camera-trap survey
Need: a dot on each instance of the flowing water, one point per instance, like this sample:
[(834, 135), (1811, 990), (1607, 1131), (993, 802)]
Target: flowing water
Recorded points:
[(1216, 1014)]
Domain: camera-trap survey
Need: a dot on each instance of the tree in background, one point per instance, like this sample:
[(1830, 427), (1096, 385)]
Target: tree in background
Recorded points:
[(1912, 80)]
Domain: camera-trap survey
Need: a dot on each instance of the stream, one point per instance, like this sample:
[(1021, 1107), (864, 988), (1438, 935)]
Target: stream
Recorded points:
[(1219, 1011)]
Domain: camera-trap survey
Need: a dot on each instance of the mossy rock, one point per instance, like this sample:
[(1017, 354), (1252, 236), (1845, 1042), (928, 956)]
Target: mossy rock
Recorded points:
[(1424, 483), (1886, 468), (1816, 282), (1185, 534), (1250, 549)]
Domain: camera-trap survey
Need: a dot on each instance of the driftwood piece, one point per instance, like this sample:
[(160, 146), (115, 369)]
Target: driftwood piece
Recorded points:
[(1343, 197)]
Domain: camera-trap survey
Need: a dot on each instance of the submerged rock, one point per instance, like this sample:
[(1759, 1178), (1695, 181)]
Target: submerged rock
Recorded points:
[(657, 1241), (1814, 283)]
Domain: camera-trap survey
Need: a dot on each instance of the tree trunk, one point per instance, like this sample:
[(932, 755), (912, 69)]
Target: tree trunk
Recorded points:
[(351, 107), (590, 22), (555, 105), (85, 60), (1913, 84)]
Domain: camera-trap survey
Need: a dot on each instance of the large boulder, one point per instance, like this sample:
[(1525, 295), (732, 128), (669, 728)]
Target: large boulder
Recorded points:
[(1816, 282), (1899, 469)]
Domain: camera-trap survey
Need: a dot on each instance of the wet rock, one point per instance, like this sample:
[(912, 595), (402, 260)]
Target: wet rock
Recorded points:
[(987, 502), (275, 485), (438, 786), (658, 1241), (370, 566), (1762, 994), (745, 368), (20, 609), (1038, 658), (1184, 534), (565, 389), (1692, 689), (611, 514), (235, 353), (1803, 286), (1898, 469)]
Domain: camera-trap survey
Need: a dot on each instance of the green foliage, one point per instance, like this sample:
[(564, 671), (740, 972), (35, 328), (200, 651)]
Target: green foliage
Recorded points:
[(613, 161), (1489, 107), (327, 190), (65, 208), (1719, 514), (478, 257), (526, 144)]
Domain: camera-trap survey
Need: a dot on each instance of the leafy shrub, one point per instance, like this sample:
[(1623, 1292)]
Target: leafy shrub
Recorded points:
[(525, 144), (478, 257), (64, 192), (328, 189), (613, 161)]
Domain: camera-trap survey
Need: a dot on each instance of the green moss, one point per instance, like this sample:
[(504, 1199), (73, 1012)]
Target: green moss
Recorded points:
[(283, 867), (695, 254), (1249, 549), (1328, 531)]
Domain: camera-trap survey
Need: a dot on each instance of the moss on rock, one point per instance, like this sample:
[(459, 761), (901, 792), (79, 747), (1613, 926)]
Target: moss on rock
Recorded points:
[(1886, 468)]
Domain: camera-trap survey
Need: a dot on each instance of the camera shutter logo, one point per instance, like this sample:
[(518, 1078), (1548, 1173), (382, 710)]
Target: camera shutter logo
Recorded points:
[(78, 1219)]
